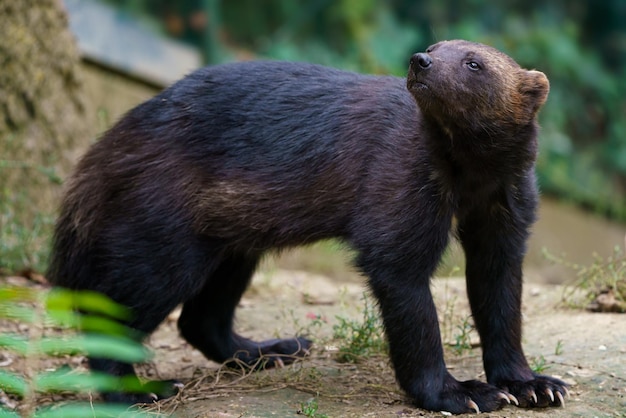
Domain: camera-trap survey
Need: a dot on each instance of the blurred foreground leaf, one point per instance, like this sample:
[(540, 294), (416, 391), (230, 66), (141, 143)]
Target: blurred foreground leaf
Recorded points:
[(60, 322)]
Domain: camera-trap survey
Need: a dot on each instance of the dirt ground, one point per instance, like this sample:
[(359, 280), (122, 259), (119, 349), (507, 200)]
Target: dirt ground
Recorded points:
[(591, 355), (587, 350)]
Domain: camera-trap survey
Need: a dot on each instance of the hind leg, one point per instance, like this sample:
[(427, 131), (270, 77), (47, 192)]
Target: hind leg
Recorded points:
[(149, 311), (206, 321), (132, 390), (151, 281)]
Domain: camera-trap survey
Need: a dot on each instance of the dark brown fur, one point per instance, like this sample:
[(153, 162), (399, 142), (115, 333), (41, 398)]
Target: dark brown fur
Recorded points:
[(180, 199)]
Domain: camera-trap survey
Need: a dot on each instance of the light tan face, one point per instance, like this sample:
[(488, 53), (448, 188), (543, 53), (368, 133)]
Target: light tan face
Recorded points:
[(475, 85)]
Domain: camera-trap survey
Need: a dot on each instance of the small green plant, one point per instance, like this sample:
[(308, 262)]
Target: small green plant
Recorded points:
[(538, 364), (558, 350), (462, 340), (309, 409), (55, 328), (311, 328), (604, 276), (360, 338)]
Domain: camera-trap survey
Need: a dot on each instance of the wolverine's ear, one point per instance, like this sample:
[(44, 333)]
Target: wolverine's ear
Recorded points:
[(534, 88)]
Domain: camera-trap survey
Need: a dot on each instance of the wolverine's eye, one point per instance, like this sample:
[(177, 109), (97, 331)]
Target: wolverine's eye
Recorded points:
[(473, 65)]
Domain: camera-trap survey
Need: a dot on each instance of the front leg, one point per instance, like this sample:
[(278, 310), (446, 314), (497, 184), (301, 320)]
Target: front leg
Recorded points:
[(494, 234), (399, 270)]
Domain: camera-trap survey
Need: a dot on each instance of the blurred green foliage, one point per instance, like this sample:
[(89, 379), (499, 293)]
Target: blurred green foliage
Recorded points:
[(579, 44), (48, 324)]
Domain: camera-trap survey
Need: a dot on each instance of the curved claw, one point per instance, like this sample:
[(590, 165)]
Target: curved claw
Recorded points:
[(472, 405), (567, 392), (505, 397), (550, 394), (513, 399), (534, 396), (558, 395)]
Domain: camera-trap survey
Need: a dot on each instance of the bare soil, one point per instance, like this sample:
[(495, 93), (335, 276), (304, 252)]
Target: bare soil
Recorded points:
[(588, 350), (591, 355)]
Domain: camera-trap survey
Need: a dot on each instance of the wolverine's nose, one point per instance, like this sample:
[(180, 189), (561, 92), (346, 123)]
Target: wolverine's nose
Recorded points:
[(421, 61)]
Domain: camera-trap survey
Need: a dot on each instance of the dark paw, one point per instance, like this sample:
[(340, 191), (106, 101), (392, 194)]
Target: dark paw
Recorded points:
[(271, 353), (471, 396), (540, 392), (147, 393)]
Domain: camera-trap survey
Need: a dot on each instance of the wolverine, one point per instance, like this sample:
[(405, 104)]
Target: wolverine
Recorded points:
[(177, 203)]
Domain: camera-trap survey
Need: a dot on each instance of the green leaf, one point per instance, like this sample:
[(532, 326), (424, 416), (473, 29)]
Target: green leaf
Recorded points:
[(62, 380), (14, 342), (89, 323), (82, 410), (13, 300), (65, 379), (63, 318), (5, 413), (96, 345), (16, 312), (12, 383), (93, 302), (17, 294)]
